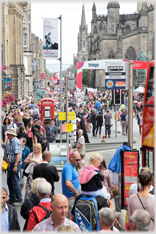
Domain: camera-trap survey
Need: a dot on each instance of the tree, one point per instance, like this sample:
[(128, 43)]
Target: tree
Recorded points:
[(85, 77)]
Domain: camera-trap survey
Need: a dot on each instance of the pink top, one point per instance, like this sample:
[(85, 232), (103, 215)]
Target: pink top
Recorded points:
[(70, 154), (92, 168), (29, 132)]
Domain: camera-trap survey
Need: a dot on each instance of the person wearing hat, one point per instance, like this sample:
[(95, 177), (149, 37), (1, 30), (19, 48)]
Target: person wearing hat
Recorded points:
[(14, 150)]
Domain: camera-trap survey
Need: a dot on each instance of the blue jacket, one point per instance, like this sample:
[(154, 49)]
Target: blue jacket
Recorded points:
[(115, 163)]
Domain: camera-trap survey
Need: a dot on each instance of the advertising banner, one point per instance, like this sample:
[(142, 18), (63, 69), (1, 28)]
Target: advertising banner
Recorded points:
[(50, 38), (59, 155), (8, 84), (129, 173)]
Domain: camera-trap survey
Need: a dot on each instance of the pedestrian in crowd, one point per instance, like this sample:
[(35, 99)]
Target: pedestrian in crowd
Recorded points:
[(4, 132), (51, 132), (30, 133), (126, 119), (59, 207), (9, 217), (40, 137), (6, 122), (14, 150), (46, 171), (106, 218), (107, 180), (30, 202), (70, 183), (81, 144), (123, 122), (25, 153), (99, 120), (37, 213), (26, 120), (33, 159), (12, 125), (21, 133), (140, 221), (107, 118), (93, 121), (88, 119), (143, 199), (140, 122)]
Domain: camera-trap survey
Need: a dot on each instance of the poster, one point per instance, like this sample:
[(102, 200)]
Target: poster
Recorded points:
[(50, 38), (59, 155), (129, 173), (8, 83)]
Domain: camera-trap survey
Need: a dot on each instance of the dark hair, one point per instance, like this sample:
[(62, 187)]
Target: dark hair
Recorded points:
[(37, 126), (100, 112), (127, 143), (103, 165), (145, 177), (21, 128), (5, 120)]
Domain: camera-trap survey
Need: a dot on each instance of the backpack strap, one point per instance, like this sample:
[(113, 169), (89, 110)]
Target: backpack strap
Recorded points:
[(45, 209)]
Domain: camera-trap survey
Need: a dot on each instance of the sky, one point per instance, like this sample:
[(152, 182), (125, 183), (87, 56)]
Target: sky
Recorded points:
[(71, 12)]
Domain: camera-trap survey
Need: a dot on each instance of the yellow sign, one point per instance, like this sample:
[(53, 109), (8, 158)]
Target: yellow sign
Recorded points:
[(69, 127), (71, 115), (62, 116)]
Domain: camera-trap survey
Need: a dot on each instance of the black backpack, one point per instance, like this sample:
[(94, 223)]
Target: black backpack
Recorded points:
[(49, 212)]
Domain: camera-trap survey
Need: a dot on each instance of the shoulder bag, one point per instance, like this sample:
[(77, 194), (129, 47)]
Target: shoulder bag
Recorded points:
[(143, 205), (26, 169)]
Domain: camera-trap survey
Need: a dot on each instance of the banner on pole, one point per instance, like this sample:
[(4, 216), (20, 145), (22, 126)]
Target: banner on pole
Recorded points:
[(50, 38)]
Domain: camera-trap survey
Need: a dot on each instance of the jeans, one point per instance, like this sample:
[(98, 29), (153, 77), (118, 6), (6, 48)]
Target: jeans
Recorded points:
[(13, 182), (98, 128), (93, 129), (54, 141), (107, 130)]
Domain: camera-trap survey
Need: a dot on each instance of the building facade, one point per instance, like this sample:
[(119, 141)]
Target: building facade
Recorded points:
[(12, 41), (119, 36)]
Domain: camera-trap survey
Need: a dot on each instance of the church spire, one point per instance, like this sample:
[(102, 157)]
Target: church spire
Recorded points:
[(83, 18)]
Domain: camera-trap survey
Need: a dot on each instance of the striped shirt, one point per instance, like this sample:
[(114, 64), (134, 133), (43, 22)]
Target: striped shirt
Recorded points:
[(49, 225)]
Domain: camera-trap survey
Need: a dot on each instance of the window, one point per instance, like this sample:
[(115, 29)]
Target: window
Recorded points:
[(25, 40), (127, 28), (150, 89), (131, 55), (24, 17), (111, 54)]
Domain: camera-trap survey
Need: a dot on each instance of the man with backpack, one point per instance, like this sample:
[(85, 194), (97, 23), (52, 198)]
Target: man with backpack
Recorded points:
[(43, 209)]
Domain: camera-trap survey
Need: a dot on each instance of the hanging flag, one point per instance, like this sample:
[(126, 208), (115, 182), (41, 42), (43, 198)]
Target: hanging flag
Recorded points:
[(56, 76), (50, 38)]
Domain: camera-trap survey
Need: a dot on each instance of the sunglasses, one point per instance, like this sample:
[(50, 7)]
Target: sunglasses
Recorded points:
[(77, 160)]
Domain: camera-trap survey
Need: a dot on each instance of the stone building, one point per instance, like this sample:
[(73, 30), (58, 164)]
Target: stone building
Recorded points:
[(12, 41), (117, 36)]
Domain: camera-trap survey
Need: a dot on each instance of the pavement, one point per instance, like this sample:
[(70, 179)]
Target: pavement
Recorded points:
[(107, 155)]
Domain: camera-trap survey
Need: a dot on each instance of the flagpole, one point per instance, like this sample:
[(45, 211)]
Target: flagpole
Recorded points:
[(60, 75)]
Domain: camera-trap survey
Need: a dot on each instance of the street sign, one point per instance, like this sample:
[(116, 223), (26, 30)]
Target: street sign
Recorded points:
[(115, 75), (71, 83)]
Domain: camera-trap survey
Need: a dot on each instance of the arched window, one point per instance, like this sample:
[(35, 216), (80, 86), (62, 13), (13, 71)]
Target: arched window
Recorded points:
[(131, 55), (111, 54), (127, 28)]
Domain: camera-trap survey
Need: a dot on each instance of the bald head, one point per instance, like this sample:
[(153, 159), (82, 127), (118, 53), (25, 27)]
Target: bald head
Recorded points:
[(57, 198)]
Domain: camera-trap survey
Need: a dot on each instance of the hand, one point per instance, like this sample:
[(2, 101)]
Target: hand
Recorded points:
[(110, 203), (76, 194), (14, 169)]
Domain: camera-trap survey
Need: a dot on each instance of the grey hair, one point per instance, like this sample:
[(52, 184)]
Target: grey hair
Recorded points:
[(107, 216), (35, 182), (81, 131), (142, 219), (44, 188)]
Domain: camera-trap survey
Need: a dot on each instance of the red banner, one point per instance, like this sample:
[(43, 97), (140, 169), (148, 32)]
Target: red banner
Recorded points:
[(139, 64)]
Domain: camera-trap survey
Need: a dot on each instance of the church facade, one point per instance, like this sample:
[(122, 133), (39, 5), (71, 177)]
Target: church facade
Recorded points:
[(117, 36)]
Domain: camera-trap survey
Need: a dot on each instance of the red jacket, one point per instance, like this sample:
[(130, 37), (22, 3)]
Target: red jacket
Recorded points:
[(37, 214)]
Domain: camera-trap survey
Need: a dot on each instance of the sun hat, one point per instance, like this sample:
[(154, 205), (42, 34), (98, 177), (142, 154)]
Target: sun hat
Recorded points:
[(11, 131)]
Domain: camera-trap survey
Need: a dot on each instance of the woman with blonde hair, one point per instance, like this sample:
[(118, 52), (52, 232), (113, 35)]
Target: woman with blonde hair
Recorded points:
[(32, 201), (32, 159), (90, 177)]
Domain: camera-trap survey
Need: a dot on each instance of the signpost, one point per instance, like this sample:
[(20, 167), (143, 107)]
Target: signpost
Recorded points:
[(71, 83), (115, 75)]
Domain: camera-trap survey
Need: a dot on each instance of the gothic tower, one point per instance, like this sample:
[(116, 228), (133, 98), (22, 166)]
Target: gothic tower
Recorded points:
[(83, 39), (112, 17)]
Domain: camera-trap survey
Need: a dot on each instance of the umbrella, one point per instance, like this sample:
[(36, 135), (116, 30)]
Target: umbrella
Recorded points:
[(140, 89)]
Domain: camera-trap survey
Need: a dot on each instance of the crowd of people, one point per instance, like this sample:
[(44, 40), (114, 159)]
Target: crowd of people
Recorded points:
[(25, 139)]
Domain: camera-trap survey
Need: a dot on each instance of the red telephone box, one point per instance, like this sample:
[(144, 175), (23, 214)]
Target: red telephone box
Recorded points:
[(47, 110)]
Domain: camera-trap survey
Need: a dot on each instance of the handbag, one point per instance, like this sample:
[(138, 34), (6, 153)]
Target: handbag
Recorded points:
[(6, 162), (26, 169), (143, 205)]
